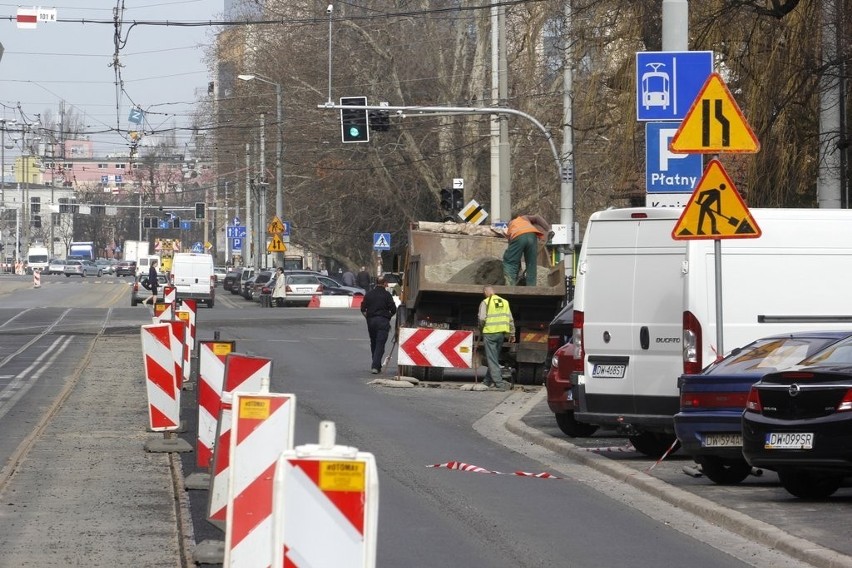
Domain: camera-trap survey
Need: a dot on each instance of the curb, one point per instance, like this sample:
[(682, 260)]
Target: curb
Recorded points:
[(756, 530)]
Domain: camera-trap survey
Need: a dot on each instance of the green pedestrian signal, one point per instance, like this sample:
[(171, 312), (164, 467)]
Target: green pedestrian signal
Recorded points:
[(354, 123)]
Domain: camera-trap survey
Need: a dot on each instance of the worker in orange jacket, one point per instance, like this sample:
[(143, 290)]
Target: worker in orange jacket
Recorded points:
[(523, 234)]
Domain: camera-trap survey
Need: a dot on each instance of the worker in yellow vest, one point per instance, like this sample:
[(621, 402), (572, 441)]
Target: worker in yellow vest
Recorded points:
[(523, 233), (496, 322)]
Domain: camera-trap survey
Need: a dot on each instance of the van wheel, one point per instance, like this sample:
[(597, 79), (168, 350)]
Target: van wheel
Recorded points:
[(570, 427), (806, 484), (653, 444), (724, 472)]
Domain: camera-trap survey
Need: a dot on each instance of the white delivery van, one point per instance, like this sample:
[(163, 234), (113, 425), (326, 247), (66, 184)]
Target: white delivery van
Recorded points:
[(645, 305), (193, 277), (143, 264)]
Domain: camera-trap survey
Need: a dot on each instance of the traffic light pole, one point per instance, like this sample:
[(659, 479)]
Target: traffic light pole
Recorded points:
[(563, 163)]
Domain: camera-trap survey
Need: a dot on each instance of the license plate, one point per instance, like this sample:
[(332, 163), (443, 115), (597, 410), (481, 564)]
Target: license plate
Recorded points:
[(608, 371), (789, 441), (722, 440)]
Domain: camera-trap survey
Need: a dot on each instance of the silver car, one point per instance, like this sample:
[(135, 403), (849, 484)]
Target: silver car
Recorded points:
[(82, 268)]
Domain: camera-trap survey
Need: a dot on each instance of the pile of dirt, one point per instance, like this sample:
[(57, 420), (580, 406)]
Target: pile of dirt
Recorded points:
[(480, 272)]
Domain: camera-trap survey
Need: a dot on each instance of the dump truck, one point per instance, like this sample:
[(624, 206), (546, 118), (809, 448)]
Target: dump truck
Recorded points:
[(446, 268)]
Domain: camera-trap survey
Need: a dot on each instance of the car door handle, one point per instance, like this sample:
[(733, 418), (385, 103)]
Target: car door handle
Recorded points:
[(644, 337)]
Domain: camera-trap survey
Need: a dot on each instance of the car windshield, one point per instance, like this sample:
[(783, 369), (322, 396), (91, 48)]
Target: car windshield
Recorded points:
[(772, 353), (840, 352), (302, 279), (74, 263)]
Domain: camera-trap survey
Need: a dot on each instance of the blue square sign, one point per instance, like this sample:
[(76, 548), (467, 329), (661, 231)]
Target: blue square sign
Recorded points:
[(381, 241), (667, 82), (665, 171)]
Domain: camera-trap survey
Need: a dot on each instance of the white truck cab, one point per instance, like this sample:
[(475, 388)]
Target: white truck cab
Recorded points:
[(645, 305)]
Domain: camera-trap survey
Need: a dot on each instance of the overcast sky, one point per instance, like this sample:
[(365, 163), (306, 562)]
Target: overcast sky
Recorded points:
[(163, 68)]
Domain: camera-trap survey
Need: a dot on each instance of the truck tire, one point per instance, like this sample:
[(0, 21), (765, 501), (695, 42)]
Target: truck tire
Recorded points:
[(570, 427), (724, 472), (653, 444), (529, 374)]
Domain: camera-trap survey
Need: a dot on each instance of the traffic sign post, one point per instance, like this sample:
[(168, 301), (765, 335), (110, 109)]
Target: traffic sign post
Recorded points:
[(668, 81)]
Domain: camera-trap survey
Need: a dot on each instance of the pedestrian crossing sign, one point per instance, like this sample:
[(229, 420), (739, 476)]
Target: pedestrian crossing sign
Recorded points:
[(715, 210), (381, 241)]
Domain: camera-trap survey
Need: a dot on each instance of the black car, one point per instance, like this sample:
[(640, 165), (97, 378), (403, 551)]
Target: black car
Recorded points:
[(231, 277), (798, 422), (125, 268)]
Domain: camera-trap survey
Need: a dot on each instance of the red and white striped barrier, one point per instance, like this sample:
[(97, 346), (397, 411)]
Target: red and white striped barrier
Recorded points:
[(426, 347), (461, 466), (318, 301), (189, 307), (160, 379), (36, 278), (325, 506), (263, 425), (211, 379), (243, 373), (169, 294), (179, 348), (163, 312)]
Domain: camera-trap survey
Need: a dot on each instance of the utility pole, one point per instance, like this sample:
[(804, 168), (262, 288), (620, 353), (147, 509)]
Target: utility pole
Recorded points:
[(247, 244)]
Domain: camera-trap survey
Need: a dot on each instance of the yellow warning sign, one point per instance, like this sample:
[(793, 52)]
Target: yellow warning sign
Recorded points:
[(342, 476), (473, 213), (254, 408), (222, 348), (716, 210), (275, 227), (276, 244), (714, 123)]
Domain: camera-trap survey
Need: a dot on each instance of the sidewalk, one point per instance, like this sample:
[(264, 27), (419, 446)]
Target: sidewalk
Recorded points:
[(86, 493)]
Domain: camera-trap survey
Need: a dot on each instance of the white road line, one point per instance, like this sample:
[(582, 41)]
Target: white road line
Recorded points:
[(25, 380)]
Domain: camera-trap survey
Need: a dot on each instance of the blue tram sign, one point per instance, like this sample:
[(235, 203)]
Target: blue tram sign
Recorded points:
[(667, 82)]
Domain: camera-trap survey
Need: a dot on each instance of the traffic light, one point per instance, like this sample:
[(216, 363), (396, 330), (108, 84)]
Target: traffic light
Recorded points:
[(447, 199), (379, 120), (354, 123), (199, 210), (37, 221), (458, 199)]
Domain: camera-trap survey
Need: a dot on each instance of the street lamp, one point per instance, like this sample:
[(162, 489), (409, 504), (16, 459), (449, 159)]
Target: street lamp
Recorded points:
[(279, 195)]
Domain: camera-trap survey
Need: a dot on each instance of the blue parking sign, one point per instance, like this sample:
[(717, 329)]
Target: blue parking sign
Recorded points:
[(667, 82), (666, 171), (236, 244)]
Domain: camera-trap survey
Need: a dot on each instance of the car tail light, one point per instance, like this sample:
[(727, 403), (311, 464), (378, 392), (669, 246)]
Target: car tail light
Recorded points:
[(845, 404), (713, 400), (753, 401), (213, 281), (265, 290), (287, 289), (692, 347), (136, 286), (319, 289), (171, 278), (577, 340), (554, 342)]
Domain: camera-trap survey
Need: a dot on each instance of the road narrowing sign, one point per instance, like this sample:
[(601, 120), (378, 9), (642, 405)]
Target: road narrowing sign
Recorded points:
[(714, 123), (716, 210)]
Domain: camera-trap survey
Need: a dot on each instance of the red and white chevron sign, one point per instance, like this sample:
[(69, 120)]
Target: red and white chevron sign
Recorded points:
[(425, 347)]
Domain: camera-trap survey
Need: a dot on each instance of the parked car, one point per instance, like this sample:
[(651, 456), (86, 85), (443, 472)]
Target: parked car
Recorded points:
[(125, 268), (56, 266), (231, 279), (247, 286), (139, 293), (81, 268), (560, 395), (331, 287), (709, 424), (260, 280), (220, 272), (245, 274), (300, 288), (559, 333), (798, 422), (105, 265)]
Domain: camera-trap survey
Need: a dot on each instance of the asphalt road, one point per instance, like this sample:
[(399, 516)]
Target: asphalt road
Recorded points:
[(590, 516)]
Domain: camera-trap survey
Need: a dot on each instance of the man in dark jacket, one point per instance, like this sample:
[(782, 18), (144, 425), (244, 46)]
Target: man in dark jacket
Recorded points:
[(362, 280), (378, 307)]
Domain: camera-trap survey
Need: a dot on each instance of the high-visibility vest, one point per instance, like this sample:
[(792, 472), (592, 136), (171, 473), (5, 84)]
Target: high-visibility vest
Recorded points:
[(520, 226), (497, 315)]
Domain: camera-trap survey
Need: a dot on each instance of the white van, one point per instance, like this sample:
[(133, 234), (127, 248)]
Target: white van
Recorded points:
[(143, 264), (645, 305), (193, 277)]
